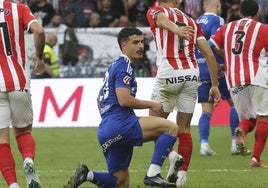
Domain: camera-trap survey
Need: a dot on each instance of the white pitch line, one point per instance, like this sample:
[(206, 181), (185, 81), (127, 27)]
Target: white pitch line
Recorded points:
[(139, 171)]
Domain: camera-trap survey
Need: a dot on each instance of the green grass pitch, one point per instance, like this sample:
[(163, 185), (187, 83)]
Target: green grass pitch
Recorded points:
[(59, 150)]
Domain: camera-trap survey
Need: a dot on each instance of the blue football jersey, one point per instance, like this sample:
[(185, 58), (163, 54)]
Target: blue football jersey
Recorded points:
[(120, 74), (209, 23)]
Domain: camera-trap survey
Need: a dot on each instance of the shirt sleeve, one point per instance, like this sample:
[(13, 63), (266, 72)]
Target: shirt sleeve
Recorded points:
[(122, 77), (218, 38), (152, 14)]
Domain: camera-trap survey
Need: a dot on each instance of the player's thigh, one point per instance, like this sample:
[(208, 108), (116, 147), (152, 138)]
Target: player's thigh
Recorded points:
[(242, 102), (203, 92), (118, 157), (20, 108), (5, 120), (152, 127), (186, 98), (165, 93), (259, 97), (225, 93), (121, 129)]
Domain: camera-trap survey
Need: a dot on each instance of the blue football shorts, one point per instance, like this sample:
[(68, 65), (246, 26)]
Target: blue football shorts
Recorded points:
[(118, 134), (203, 90)]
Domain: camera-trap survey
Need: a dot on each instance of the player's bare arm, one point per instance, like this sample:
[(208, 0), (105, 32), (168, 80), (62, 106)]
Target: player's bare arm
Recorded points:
[(39, 38), (125, 99), (185, 32), (39, 43)]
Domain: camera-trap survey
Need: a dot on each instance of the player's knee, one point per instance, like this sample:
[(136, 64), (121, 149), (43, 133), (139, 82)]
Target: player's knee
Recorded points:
[(174, 130)]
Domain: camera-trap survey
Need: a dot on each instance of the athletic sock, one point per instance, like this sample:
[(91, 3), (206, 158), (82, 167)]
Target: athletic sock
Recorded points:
[(14, 185), (204, 127), (26, 145), (104, 179), (247, 126), (260, 138), (185, 148), (7, 164), (162, 148), (234, 120)]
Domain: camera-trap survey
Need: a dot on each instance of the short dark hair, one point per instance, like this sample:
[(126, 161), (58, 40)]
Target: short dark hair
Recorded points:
[(125, 33), (249, 8)]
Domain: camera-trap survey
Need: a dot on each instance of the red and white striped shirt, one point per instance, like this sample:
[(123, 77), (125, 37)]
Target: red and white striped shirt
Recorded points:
[(173, 52), (245, 44), (14, 20)]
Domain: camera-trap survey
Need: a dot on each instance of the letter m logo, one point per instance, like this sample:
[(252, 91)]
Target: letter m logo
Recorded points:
[(48, 96)]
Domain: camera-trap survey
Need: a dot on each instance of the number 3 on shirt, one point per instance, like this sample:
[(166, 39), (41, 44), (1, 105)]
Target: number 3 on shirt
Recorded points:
[(181, 24), (238, 42)]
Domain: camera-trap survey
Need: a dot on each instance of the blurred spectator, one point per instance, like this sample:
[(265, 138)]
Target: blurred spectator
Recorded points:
[(68, 18), (56, 22), (81, 10), (106, 13), (137, 9), (43, 11), (226, 5), (140, 22), (123, 21), (94, 20), (55, 4), (50, 58), (233, 13), (264, 11), (119, 7), (193, 7)]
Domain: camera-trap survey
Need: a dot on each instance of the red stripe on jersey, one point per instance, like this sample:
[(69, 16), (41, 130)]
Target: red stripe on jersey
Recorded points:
[(170, 50), (244, 45), (168, 45), (246, 53), (14, 20), (18, 68)]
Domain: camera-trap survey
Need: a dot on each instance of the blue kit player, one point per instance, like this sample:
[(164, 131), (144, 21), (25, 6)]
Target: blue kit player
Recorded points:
[(210, 22), (120, 129)]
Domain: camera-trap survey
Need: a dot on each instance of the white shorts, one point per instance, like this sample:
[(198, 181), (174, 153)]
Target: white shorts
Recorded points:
[(178, 93), (250, 101), (16, 109)]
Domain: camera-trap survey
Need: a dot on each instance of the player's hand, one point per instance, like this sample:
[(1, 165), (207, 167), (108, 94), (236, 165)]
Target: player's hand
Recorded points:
[(39, 65), (214, 95), (157, 108), (186, 32)]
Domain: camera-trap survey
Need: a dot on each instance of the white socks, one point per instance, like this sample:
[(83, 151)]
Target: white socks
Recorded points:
[(90, 175), (14, 185), (153, 170)]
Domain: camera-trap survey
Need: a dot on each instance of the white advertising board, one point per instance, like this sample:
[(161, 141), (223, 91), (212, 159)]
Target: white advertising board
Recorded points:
[(73, 102)]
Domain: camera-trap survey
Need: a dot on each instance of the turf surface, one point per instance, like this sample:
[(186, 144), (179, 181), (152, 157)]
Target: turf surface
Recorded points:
[(60, 150)]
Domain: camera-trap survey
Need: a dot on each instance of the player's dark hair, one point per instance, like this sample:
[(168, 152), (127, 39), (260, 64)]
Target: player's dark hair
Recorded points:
[(125, 33), (249, 8)]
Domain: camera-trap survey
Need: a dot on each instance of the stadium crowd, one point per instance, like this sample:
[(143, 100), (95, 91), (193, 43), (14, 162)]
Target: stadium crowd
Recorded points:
[(63, 14), (119, 13)]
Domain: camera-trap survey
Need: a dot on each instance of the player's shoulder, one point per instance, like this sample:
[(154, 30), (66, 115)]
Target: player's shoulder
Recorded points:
[(155, 9), (121, 63)]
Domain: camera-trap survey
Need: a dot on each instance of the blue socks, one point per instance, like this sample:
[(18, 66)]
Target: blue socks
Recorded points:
[(162, 148), (234, 120), (104, 179), (204, 127)]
